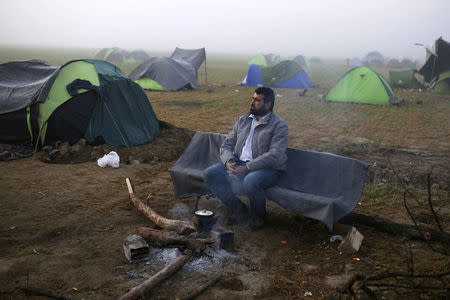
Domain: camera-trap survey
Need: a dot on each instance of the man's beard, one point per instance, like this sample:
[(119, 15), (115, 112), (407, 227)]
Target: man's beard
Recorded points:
[(258, 112)]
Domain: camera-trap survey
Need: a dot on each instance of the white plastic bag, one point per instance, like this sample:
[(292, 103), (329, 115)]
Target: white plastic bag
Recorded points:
[(111, 159)]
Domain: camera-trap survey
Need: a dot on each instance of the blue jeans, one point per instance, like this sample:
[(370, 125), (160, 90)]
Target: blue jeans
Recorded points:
[(251, 185)]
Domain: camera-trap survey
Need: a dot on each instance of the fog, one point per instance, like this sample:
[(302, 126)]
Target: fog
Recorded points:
[(328, 28)]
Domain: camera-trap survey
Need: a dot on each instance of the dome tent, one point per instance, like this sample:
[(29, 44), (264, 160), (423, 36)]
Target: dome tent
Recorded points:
[(264, 59), (286, 74), (361, 85), (119, 55), (164, 73), (89, 99)]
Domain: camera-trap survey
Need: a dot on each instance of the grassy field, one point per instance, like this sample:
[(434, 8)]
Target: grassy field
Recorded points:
[(401, 144)]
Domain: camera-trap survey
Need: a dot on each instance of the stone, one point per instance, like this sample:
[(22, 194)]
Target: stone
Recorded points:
[(352, 241), (64, 149)]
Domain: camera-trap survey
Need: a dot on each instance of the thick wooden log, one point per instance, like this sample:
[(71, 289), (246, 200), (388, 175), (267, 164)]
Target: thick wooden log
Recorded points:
[(142, 290), (178, 226), (160, 238), (397, 228)]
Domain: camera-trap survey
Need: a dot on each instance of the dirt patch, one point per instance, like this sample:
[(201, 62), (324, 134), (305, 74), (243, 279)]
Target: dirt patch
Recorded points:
[(63, 223), (168, 144)]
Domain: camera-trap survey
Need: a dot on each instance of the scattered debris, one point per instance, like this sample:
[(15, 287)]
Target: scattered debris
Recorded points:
[(111, 159), (336, 237), (302, 92)]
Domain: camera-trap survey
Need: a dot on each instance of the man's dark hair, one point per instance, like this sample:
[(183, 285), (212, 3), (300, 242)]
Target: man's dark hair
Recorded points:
[(269, 95)]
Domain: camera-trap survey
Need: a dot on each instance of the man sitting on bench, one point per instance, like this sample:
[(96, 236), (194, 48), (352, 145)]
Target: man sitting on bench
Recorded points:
[(253, 157)]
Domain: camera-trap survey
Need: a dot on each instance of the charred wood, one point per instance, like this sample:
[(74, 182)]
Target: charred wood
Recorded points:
[(160, 238), (143, 290)]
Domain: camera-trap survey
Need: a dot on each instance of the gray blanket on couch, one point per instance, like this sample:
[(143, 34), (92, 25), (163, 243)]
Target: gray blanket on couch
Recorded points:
[(317, 185)]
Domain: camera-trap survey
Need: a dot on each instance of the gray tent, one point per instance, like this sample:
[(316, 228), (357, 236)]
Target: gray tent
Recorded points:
[(194, 56), (24, 83), (140, 55), (164, 73)]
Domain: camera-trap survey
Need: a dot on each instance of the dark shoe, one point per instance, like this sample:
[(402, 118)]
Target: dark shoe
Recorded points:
[(255, 223), (238, 218)]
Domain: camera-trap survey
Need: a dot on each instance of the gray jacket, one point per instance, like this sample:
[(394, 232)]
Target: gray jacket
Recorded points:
[(269, 143)]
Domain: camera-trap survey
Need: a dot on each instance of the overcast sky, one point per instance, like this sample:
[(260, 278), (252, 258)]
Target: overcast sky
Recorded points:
[(328, 28)]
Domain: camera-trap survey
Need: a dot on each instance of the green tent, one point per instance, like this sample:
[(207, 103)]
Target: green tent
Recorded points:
[(95, 100), (442, 85), (258, 59), (361, 85), (90, 99), (264, 59), (404, 79)]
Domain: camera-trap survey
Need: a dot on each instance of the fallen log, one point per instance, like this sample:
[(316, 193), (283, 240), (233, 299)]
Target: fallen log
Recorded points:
[(178, 226), (160, 238), (141, 291), (397, 228)]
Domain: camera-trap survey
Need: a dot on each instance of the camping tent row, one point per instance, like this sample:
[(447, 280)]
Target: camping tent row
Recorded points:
[(89, 99), (436, 69), (361, 85), (118, 55), (286, 74), (170, 73)]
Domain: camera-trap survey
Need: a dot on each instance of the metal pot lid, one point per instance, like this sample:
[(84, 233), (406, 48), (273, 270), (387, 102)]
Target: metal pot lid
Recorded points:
[(204, 213)]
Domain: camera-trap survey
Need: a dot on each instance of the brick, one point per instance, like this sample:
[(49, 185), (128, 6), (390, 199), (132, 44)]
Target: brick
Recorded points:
[(135, 248), (224, 238)]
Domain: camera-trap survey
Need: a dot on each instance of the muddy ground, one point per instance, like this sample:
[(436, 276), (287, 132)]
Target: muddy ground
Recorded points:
[(64, 219)]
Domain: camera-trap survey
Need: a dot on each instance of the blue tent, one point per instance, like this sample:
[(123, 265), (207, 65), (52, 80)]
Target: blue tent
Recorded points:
[(286, 74)]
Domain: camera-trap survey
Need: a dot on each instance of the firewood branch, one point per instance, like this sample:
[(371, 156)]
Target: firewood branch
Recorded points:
[(178, 226), (160, 238), (141, 291)]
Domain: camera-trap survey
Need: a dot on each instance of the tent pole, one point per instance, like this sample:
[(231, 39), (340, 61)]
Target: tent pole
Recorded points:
[(206, 73)]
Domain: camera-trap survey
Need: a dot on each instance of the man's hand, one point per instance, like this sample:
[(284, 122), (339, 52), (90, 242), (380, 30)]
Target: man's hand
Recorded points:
[(237, 171), (230, 165)]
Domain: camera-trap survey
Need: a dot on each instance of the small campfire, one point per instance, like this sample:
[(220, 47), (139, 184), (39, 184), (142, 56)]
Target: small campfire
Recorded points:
[(185, 238)]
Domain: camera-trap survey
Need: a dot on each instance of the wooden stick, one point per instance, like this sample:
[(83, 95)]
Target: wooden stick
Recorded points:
[(141, 291), (201, 288), (160, 238), (179, 226)]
